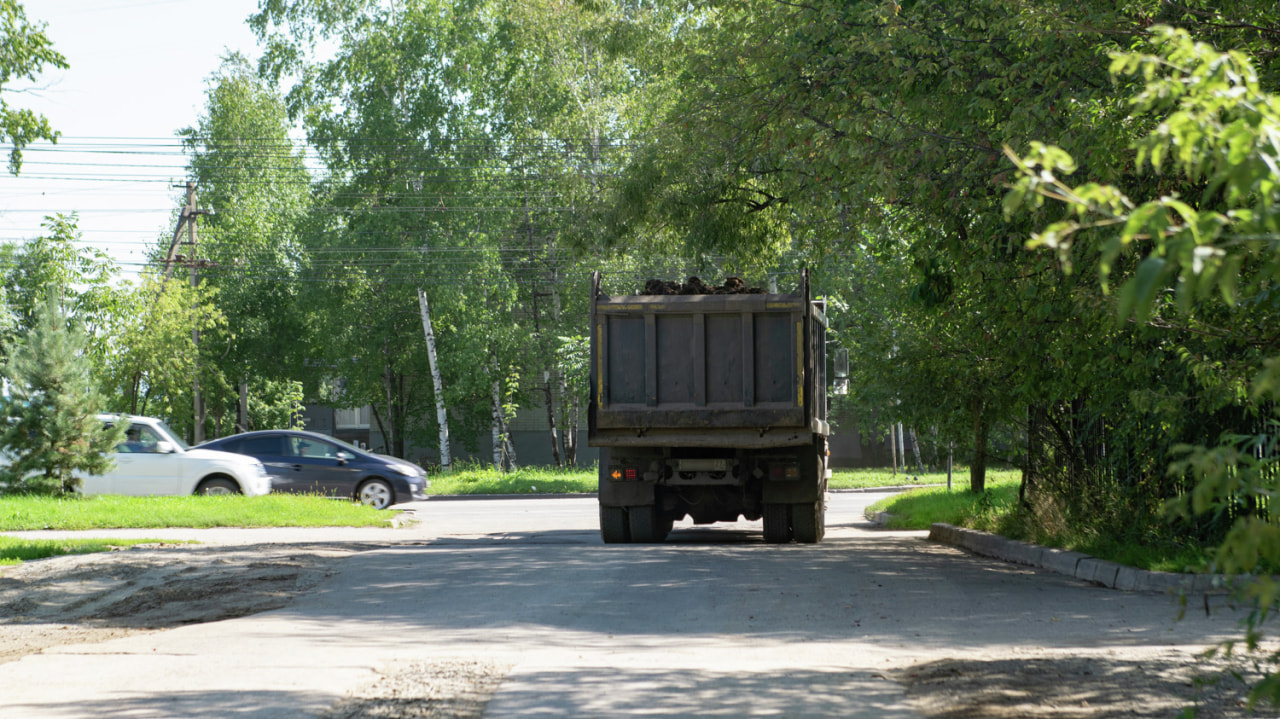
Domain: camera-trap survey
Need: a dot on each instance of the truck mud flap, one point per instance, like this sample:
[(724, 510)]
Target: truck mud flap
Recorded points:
[(626, 494), (791, 492)]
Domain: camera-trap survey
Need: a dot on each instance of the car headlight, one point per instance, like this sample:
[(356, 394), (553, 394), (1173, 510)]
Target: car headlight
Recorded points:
[(406, 471)]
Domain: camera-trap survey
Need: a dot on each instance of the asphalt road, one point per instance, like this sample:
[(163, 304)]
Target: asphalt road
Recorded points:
[(713, 623)]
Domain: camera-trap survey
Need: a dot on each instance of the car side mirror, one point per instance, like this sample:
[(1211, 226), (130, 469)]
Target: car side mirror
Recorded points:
[(165, 447), (343, 457)]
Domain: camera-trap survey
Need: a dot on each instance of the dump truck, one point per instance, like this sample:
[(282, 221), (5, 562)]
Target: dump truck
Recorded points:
[(709, 403)]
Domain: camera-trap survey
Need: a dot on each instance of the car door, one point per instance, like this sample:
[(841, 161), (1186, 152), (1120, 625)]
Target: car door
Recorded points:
[(269, 450), (318, 467), (141, 468)]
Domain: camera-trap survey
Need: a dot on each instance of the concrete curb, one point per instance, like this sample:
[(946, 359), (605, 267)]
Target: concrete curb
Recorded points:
[(1074, 564)]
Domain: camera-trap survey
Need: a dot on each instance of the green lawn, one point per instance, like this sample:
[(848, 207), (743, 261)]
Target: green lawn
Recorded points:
[(914, 509), (992, 511), (16, 551), (919, 508), (870, 478), (474, 478), (115, 512)]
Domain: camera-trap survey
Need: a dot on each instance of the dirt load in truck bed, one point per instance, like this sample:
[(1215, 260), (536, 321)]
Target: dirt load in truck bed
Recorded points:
[(695, 286)]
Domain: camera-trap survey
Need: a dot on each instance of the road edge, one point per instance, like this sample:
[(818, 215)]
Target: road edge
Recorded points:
[(1075, 564)]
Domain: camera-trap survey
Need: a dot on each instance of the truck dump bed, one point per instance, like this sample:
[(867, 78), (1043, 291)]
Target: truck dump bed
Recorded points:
[(711, 370)]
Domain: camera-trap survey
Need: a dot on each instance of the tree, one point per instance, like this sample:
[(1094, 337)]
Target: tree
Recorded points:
[(255, 187), (24, 51), (51, 431), (873, 131), (53, 264), (1208, 261), (148, 356)]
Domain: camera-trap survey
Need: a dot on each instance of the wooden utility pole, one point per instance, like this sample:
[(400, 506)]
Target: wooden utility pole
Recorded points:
[(188, 219)]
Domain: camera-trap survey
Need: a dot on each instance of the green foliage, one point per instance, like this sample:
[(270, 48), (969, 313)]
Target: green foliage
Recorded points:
[(50, 432), (1207, 262), (255, 186), (147, 354), (55, 263), (454, 136), (25, 51), (277, 405)]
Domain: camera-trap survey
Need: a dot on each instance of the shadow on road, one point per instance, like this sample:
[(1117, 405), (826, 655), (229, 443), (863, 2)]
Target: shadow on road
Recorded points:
[(621, 691), (889, 590)]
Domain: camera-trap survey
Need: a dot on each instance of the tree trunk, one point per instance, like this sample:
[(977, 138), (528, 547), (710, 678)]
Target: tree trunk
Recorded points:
[(390, 439), (496, 422), (382, 429), (135, 392), (893, 449), (915, 447), (508, 447), (902, 449), (571, 435), (442, 416), (978, 470), (551, 420), (242, 407), (1029, 463)]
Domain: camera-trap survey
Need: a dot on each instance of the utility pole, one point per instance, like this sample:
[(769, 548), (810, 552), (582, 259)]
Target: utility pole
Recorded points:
[(188, 219)]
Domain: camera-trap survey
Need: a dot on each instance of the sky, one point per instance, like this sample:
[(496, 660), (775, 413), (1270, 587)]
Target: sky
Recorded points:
[(138, 73)]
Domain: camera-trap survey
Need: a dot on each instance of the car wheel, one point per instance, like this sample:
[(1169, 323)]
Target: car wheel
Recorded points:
[(217, 486), (376, 493)]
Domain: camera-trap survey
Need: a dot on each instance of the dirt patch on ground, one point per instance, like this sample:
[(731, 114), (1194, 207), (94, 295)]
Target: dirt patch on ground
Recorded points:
[(1102, 686), (95, 597), (424, 690), (91, 598)]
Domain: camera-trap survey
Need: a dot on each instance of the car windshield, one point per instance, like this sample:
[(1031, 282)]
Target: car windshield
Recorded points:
[(171, 435)]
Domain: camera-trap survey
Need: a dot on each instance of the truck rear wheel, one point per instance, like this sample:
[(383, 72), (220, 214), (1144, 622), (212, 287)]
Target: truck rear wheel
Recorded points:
[(777, 523), (808, 522), (646, 525), (613, 525)]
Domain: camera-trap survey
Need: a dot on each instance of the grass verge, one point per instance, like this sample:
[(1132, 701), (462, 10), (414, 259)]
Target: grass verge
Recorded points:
[(871, 478), (478, 479), (115, 512), (997, 511), (17, 551)]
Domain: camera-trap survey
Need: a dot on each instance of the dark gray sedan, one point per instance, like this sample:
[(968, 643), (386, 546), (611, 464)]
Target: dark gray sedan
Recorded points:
[(310, 463)]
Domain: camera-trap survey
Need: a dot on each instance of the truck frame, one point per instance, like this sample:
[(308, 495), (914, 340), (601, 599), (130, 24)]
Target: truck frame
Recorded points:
[(712, 406)]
